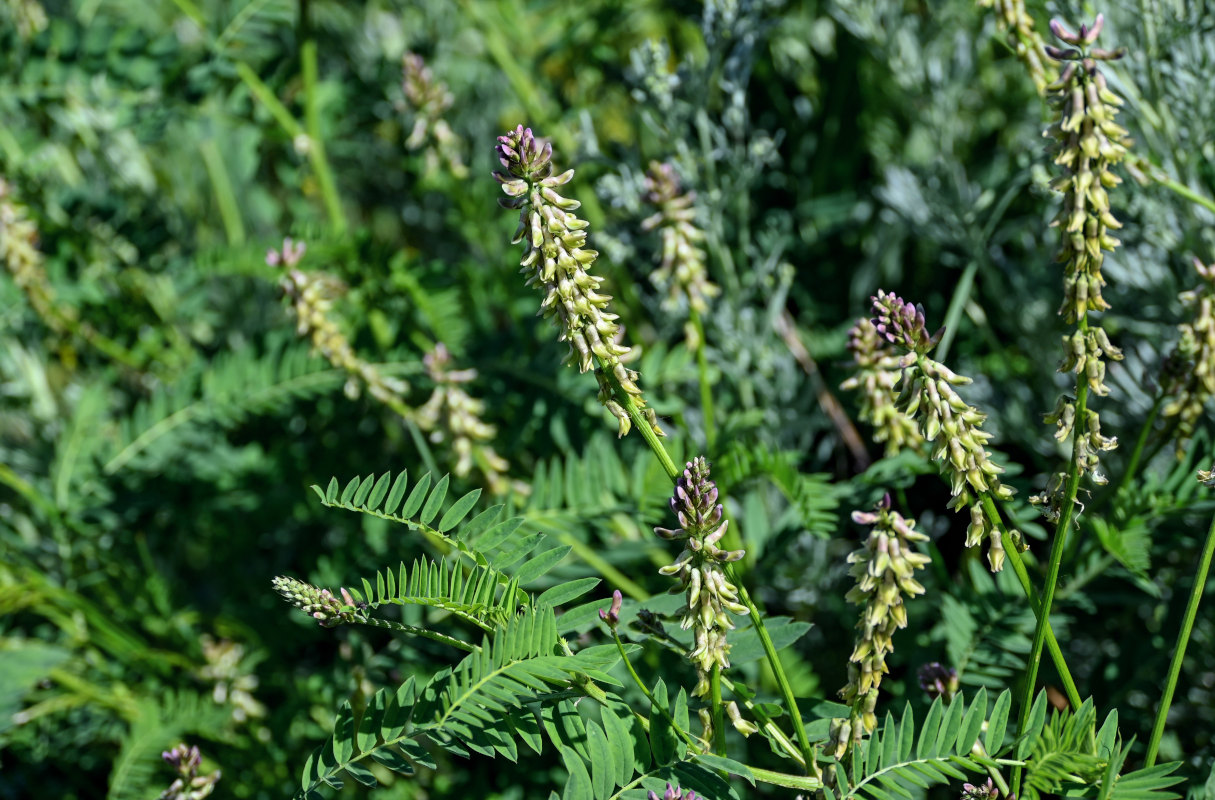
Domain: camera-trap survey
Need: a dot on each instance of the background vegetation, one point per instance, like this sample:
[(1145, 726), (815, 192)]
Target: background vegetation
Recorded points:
[(161, 420)]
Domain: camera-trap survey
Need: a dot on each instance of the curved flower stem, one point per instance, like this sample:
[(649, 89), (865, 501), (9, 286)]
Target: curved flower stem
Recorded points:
[(1062, 527), (1018, 565), (1183, 638), (782, 680), (961, 295), (719, 731), (706, 388), (757, 619), (1132, 466), (691, 742)]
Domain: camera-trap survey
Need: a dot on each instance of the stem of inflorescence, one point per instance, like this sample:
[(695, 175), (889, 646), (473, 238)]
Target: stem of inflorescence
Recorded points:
[(706, 388), (1071, 487), (664, 458), (1183, 638)]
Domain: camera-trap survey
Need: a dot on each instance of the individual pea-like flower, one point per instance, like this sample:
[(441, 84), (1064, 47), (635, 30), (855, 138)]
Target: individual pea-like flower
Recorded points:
[(884, 570), (1207, 477), (876, 375), (452, 415), (612, 615), (950, 425), (938, 680), (189, 785), (311, 295), (1191, 381), (682, 270), (320, 604), (708, 593), (427, 100), (557, 261), (672, 793)]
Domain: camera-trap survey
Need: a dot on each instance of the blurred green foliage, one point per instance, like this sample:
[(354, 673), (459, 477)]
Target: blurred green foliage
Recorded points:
[(160, 422)]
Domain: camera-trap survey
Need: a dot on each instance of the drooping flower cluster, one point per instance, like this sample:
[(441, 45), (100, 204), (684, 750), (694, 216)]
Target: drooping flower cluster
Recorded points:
[(1025, 41), (946, 421), (20, 254), (982, 791), (189, 785), (877, 373), (452, 415), (233, 677), (682, 270), (884, 570), (427, 100), (557, 262), (1086, 142), (709, 594), (311, 295), (320, 604), (1190, 381)]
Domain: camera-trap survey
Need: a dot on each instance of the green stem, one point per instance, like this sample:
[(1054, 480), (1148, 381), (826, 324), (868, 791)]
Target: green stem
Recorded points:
[(225, 197), (626, 401), (719, 729), (961, 294), (316, 142), (1183, 638), (1132, 466), (706, 388), (1161, 177), (646, 691), (1013, 554), (782, 680), (1071, 487)]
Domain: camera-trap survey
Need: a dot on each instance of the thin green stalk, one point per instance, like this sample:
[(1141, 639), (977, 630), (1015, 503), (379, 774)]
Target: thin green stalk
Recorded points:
[(961, 294), (649, 696), (719, 728), (706, 388), (1013, 554), (225, 197), (1071, 487), (626, 400), (1132, 466), (316, 142), (782, 680), (1183, 638)]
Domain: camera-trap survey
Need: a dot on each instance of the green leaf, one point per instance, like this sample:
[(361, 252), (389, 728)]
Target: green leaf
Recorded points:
[(745, 645), (498, 534), (603, 765), (727, 765), (416, 497), (349, 491), (972, 723), (928, 732), (538, 565), (1037, 718), (360, 497), (662, 735), (357, 771), (433, 503), (458, 510), (565, 592), (578, 787), (379, 492), (398, 491), (997, 726), (331, 493)]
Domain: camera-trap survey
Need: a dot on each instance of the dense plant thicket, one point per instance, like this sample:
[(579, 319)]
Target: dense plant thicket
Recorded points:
[(789, 522)]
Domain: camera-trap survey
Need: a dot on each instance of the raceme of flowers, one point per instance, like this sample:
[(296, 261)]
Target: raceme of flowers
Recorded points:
[(427, 99), (557, 262), (709, 594), (1086, 143), (884, 570), (682, 270), (1024, 40), (321, 604), (1190, 376), (946, 421), (451, 414), (311, 295), (189, 785), (876, 375)]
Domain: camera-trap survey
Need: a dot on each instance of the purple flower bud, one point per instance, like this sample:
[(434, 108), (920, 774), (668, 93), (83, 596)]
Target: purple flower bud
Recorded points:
[(612, 615)]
